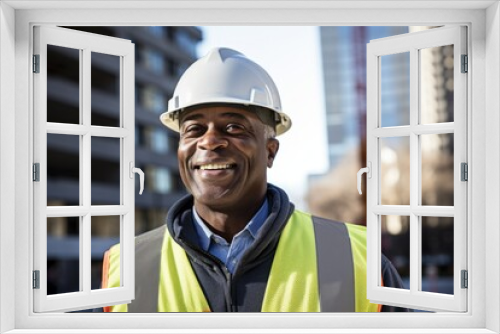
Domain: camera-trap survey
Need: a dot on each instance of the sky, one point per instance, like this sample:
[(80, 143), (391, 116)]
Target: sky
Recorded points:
[(292, 57)]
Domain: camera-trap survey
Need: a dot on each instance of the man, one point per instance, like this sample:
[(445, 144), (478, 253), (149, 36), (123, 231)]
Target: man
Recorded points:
[(236, 243)]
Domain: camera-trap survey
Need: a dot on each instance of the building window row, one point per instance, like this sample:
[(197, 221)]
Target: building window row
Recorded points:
[(157, 31), (159, 179), (185, 41), (156, 62), (151, 98), (154, 138), (152, 60), (178, 35)]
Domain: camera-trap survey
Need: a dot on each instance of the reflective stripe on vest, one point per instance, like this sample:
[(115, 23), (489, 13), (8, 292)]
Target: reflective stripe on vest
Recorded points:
[(336, 290), (318, 265)]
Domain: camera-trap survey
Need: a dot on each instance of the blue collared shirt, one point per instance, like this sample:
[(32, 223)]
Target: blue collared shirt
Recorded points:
[(230, 253)]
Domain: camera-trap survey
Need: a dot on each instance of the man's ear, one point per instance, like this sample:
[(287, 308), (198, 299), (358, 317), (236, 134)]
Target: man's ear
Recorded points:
[(273, 145)]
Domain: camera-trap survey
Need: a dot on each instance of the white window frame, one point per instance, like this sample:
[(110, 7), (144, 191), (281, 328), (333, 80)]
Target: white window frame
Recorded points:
[(412, 43), (16, 21), (85, 43)]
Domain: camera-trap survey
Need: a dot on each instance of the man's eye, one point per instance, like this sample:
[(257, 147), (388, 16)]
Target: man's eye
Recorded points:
[(235, 128), (193, 127)]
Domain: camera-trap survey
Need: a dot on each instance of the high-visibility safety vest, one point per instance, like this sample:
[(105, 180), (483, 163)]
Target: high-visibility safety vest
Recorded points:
[(319, 265)]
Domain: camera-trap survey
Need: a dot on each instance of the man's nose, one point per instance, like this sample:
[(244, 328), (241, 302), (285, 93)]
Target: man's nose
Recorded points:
[(212, 139)]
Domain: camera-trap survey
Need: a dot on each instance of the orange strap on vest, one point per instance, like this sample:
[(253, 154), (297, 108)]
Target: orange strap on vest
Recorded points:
[(105, 276)]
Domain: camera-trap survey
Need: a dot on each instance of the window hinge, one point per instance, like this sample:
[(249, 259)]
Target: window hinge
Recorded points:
[(36, 172), (36, 63), (465, 279), (36, 279), (464, 172), (465, 64)]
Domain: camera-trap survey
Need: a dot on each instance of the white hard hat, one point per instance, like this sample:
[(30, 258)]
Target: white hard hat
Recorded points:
[(225, 76)]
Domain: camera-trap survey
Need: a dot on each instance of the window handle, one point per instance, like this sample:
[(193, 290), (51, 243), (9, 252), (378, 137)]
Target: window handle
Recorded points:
[(368, 171), (141, 175)]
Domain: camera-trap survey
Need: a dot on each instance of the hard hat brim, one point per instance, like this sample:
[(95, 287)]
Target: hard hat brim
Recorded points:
[(171, 120)]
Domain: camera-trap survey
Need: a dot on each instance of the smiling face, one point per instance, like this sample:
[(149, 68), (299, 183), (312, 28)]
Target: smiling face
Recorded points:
[(223, 156)]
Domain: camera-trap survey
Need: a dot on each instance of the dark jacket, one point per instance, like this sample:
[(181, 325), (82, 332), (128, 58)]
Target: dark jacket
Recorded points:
[(244, 290)]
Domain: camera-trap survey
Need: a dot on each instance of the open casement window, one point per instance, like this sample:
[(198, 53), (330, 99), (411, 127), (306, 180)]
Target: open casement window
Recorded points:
[(60, 132), (406, 196)]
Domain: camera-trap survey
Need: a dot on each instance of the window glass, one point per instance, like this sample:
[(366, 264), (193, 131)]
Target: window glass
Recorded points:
[(63, 169), (156, 31), (153, 100), (185, 41), (149, 219), (437, 254), (163, 180), (63, 85), (153, 61), (63, 255), (395, 89), (105, 171), (436, 84), (395, 170), (173, 68), (105, 232), (437, 169), (158, 179), (395, 244), (105, 77), (158, 140), (171, 32)]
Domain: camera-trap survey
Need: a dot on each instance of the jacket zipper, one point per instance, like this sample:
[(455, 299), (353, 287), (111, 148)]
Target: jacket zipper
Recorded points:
[(229, 289), (229, 277)]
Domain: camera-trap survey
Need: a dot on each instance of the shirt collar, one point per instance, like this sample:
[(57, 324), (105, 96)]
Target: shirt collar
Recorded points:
[(253, 226), (204, 233)]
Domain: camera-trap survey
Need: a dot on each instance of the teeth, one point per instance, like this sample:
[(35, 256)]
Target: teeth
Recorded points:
[(215, 166)]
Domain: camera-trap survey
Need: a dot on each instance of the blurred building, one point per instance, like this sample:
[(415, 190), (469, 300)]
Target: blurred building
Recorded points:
[(162, 54), (343, 51)]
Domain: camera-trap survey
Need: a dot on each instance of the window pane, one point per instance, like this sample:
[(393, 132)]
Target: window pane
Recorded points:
[(436, 84), (63, 82), (395, 170), (185, 41), (105, 94), (105, 173), (63, 169), (395, 89), (63, 255), (105, 232), (163, 181), (437, 254), (157, 139), (153, 99), (148, 219), (157, 31), (158, 179), (153, 61), (437, 169), (396, 244)]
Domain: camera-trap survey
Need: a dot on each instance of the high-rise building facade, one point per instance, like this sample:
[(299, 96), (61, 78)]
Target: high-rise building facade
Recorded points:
[(343, 51)]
